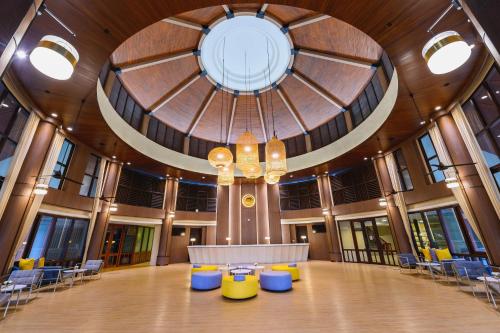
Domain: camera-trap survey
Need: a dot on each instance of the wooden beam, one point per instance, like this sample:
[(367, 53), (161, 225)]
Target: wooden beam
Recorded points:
[(259, 108), (264, 7), (158, 61), (317, 89), (201, 111), (231, 121), (307, 20), (176, 91), (183, 23), (335, 58), (291, 109)]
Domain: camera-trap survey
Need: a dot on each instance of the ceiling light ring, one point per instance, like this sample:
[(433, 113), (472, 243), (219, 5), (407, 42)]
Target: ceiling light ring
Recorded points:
[(435, 44)]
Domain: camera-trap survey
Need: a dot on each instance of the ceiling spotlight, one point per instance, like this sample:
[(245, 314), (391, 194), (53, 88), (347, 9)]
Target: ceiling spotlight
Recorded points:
[(180, 178), (382, 202), (380, 152), (446, 52), (326, 172), (422, 122), (365, 158), (54, 115), (451, 182), (41, 189), (21, 54), (69, 128), (291, 176), (313, 175), (484, 97), (3, 105), (128, 163), (54, 57), (113, 157), (113, 207), (437, 108), (497, 92)]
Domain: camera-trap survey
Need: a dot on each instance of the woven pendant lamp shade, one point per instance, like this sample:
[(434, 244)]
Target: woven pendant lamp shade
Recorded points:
[(225, 175), (275, 158), (271, 179), (220, 157), (252, 172), (247, 152)]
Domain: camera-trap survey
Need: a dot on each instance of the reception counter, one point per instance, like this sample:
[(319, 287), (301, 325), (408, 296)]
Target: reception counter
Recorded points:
[(240, 254)]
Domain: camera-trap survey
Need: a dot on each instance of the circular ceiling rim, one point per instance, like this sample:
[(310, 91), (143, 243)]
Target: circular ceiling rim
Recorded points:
[(223, 18), (157, 152)]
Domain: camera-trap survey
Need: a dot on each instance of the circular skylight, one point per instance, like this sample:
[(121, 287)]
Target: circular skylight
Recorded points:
[(250, 36)]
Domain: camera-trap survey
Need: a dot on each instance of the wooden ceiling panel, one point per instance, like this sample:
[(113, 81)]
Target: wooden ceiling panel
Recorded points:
[(337, 37), (312, 108), (159, 39), (180, 111), (149, 84), (209, 125), (286, 126), (250, 7), (203, 16), (246, 115), (340, 80), (287, 14)]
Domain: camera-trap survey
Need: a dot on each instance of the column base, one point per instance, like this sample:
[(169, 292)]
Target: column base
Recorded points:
[(162, 260), (335, 257)]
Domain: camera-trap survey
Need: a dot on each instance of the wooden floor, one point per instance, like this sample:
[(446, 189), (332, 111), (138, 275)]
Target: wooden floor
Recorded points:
[(331, 297)]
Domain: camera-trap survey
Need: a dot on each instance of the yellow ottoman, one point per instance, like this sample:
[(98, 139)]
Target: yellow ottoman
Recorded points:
[(202, 268), (246, 288), (294, 271)]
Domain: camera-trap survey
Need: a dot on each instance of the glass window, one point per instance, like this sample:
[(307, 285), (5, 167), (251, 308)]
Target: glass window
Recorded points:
[(404, 175), (385, 234), (89, 184), (319, 228), (61, 168), (138, 240), (456, 238), (431, 158), (346, 235), (145, 236), (41, 237), (476, 242), (419, 230), (151, 237), (438, 238)]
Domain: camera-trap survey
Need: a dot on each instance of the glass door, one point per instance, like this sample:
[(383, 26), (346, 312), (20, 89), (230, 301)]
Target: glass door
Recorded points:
[(112, 245), (360, 242)]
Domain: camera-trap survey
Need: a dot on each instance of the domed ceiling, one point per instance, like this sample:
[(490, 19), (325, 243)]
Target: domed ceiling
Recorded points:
[(216, 65)]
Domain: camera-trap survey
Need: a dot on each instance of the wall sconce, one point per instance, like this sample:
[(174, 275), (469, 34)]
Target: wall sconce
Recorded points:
[(382, 202), (303, 237), (326, 211), (41, 189), (451, 182), (268, 239), (228, 239), (192, 240), (171, 214), (113, 207)]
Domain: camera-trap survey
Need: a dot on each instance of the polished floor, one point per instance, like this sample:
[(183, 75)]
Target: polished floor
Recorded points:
[(331, 297)]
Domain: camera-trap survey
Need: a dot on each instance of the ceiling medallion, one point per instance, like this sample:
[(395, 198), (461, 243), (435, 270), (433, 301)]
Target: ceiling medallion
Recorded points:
[(245, 34), (248, 200)]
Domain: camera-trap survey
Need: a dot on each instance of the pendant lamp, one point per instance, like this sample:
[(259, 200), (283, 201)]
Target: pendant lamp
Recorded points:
[(247, 152), (54, 57), (220, 157), (252, 172), (225, 175), (270, 179), (446, 52), (275, 157)]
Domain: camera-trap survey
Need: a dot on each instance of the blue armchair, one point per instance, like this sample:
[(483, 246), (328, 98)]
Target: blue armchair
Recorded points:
[(31, 278), (407, 260), (467, 272)]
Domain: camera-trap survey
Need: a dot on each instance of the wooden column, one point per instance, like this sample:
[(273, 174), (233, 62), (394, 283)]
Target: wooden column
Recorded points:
[(262, 212), (334, 251), (112, 177), (170, 200), (11, 223), (235, 214), (248, 222), (274, 210), (482, 208), (222, 228), (395, 219)]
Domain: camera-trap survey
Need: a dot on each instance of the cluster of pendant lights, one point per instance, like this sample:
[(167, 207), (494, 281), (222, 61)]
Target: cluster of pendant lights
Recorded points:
[(247, 157)]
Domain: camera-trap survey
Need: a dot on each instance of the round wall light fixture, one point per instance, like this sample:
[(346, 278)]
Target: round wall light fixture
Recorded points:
[(248, 201), (54, 57), (446, 52)]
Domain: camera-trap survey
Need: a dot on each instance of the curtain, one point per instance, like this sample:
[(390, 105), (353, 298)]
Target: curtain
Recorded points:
[(399, 197), (477, 157), (458, 192)]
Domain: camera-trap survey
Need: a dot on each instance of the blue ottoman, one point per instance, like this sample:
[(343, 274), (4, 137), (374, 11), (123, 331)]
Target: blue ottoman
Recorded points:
[(276, 281), (206, 280)]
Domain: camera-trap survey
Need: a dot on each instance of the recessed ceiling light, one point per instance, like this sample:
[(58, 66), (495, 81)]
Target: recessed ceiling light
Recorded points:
[(168, 175), (113, 157), (3, 105), (314, 175), (291, 176), (21, 54), (203, 177), (437, 108), (69, 128), (484, 97), (54, 115), (326, 172), (128, 163), (497, 92), (468, 20), (380, 152), (180, 178), (365, 158), (422, 122)]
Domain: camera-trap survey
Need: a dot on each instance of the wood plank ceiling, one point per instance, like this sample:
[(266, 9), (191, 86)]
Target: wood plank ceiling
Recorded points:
[(398, 26)]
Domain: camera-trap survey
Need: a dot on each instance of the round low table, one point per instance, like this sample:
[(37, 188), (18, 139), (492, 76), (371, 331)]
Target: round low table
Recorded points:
[(242, 271)]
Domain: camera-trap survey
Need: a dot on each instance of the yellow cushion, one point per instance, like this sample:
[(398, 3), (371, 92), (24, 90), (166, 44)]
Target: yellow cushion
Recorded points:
[(443, 254), (41, 262), (26, 264), (239, 289), (427, 254), (294, 271), (204, 268)]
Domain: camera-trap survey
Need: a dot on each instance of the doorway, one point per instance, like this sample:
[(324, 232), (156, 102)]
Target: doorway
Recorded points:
[(368, 241)]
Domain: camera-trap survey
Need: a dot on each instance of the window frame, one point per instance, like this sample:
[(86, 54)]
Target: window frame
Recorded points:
[(64, 164), (430, 172), (400, 170), (94, 177)]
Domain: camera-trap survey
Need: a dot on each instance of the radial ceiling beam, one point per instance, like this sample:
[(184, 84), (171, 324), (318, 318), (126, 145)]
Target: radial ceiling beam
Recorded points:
[(158, 61), (183, 23), (203, 108), (176, 91), (306, 21), (259, 108), (317, 89), (231, 121), (291, 109), (335, 58), (262, 11)]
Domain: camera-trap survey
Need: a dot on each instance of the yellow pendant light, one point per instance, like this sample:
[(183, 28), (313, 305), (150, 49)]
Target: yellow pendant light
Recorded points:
[(275, 157), (270, 179), (220, 157), (225, 175), (253, 171), (247, 152)]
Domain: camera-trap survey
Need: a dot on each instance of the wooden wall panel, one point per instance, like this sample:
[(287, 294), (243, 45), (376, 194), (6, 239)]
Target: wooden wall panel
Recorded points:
[(235, 214), (262, 212), (273, 202), (248, 217), (223, 218)]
